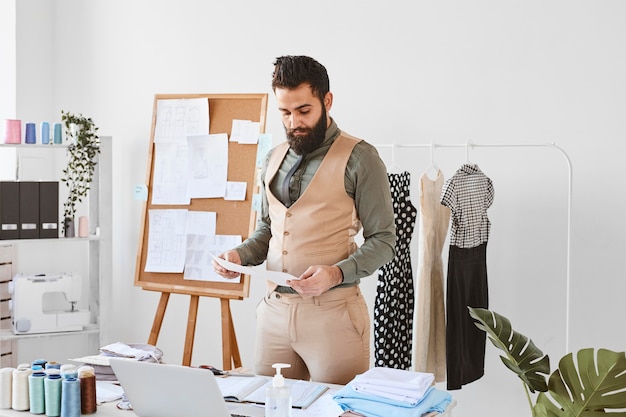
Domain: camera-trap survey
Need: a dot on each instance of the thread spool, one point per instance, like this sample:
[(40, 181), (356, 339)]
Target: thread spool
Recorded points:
[(53, 365), (30, 136), (70, 397), (36, 390), (6, 381), (39, 362), (12, 131), (87, 377), (58, 133), (68, 369), (83, 226), (19, 388), (45, 133), (52, 392)]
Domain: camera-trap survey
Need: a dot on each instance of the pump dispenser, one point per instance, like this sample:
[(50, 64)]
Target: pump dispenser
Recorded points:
[(278, 396)]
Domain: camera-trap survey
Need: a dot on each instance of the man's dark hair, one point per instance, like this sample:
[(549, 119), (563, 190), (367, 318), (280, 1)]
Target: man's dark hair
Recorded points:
[(291, 71)]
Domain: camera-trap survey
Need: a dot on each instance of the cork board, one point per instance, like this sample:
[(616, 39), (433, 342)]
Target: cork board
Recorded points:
[(232, 217)]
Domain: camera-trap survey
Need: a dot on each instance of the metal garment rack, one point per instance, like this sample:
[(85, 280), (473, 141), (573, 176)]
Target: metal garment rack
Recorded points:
[(469, 145)]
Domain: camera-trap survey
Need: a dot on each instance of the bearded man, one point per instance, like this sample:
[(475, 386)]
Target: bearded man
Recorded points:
[(319, 189)]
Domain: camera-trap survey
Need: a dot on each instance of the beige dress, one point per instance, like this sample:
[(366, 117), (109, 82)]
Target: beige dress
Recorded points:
[(430, 334)]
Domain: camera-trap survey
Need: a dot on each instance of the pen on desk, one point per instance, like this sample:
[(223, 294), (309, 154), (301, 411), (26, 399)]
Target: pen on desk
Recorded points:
[(219, 372)]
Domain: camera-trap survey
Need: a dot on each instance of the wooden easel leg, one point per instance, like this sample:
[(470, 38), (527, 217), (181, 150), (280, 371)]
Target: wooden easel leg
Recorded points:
[(230, 350), (158, 319), (234, 347), (191, 329)]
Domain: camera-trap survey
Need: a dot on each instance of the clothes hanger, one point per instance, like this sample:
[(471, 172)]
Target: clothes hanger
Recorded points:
[(394, 168), (467, 146), (433, 170)]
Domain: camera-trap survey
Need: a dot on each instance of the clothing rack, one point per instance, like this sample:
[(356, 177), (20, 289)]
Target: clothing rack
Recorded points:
[(469, 145)]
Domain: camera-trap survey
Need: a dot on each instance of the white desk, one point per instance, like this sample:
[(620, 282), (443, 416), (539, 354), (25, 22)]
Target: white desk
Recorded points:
[(110, 410), (324, 406)]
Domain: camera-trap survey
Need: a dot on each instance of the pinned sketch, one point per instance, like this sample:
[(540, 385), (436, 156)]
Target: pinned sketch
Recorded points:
[(200, 251), (245, 131), (257, 202), (207, 165), (236, 190), (263, 147), (178, 118), (167, 240), (201, 222), (169, 182)]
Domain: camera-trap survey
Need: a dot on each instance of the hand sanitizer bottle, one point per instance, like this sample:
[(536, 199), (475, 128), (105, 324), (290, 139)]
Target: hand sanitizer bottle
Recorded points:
[(278, 396)]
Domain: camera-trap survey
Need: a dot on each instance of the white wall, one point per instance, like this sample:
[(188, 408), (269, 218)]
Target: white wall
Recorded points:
[(489, 71), (8, 53)]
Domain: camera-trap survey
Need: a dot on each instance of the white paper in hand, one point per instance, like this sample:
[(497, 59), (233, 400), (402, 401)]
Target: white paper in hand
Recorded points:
[(277, 277)]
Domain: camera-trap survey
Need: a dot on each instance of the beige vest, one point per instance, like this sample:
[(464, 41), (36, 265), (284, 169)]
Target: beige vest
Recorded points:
[(319, 228)]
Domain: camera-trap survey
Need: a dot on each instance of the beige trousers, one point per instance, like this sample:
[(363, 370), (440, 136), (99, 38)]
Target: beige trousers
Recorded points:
[(325, 338)]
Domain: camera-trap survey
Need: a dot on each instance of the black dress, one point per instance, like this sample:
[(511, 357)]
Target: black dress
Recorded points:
[(468, 194), (393, 306)]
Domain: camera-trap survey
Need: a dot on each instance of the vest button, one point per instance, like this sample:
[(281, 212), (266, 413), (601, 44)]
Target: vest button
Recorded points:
[(288, 214), (286, 233), (284, 252), (284, 270)]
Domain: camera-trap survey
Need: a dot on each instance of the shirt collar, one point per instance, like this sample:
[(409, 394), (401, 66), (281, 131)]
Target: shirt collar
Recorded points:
[(331, 134), (469, 169)]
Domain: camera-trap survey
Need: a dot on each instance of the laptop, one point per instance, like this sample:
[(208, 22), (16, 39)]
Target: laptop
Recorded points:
[(164, 390)]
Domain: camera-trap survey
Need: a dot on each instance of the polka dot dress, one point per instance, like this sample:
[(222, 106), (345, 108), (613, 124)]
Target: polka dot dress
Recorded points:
[(393, 306)]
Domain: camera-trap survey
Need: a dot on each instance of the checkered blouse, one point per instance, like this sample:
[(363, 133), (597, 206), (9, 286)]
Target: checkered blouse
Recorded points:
[(468, 194)]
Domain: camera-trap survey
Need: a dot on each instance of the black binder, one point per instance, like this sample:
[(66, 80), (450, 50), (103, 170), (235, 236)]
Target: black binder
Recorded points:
[(29, 210), (48, 209), (9, 210)]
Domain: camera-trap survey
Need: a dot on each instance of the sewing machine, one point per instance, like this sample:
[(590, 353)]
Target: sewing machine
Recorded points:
[(46, 303)]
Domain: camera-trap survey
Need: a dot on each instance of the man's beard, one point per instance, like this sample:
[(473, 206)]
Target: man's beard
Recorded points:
[(310, 140)]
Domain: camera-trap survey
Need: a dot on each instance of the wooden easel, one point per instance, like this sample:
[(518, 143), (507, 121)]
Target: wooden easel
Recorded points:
[(230, 350), (233, 218)]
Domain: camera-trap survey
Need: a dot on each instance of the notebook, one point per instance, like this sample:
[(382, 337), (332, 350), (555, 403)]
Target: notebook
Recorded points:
[(163, 390)]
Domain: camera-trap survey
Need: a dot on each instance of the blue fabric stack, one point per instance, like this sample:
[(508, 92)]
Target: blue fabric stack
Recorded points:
[(387, 392)]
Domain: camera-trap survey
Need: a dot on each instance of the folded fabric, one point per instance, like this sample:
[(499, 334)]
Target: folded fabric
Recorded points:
[(375, 406), (394, 384), (127, 351)]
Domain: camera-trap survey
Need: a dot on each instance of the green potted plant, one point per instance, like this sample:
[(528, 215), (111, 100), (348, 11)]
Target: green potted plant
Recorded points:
[(82, 150), (591, 385)]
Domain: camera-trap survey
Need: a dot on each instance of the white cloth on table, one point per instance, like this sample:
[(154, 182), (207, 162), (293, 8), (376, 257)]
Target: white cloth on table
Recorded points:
[(126, 351), (395, 384), (375, 406)]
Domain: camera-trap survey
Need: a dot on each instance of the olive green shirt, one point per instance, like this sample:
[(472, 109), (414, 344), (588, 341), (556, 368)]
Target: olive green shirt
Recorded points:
[(365, 181)]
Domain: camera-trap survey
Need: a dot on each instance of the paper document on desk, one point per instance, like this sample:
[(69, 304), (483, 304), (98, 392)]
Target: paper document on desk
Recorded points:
[(277, 277), (107, 391), (303, 393)]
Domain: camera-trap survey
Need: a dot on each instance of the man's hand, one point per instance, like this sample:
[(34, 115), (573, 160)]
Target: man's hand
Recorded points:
[(230, 256), (317, 279)]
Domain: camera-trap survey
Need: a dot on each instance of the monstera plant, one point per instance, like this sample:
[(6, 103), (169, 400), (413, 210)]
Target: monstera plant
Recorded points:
[(592, 384)]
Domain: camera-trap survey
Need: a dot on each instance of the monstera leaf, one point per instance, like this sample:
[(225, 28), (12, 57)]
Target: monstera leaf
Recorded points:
[(594, 385), (522, 356)]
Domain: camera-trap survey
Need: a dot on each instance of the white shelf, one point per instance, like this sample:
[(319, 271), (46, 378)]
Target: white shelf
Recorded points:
[(9, 335), (33, 145), (52, 239), (89, 257)]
